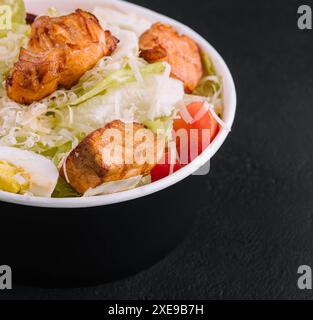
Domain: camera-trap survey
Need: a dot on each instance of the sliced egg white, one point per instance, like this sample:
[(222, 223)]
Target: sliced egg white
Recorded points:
[(40, 171)]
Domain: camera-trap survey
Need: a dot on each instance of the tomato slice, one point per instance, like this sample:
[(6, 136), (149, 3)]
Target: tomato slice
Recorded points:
[(162, 170), (197, 136)]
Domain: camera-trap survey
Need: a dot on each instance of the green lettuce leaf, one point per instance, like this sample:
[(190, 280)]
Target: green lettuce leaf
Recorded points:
[(161, 125), (209, 69), (56, 153), (211, 83), (64, 190)]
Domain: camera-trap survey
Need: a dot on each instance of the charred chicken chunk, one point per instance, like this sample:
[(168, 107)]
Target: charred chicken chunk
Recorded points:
[(116, 152), (163, 43), (59, 52)]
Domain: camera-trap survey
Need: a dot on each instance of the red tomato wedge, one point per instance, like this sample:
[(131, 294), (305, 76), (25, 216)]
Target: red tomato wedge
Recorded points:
[(162, 170), (197, 136)]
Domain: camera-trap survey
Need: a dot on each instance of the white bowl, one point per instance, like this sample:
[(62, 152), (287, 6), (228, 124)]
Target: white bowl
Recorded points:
[(229, 97)]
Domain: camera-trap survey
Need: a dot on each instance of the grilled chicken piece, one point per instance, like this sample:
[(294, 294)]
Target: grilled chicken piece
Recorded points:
[(59, 52), (163, 43), (108, 154)]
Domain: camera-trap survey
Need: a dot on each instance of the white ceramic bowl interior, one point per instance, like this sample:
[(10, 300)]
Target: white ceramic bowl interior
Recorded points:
[(229, 97)]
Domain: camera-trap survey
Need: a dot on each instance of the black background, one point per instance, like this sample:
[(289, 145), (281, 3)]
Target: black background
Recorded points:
[(254, 226)]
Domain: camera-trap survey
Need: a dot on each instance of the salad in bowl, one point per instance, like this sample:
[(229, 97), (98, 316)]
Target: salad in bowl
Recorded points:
[(104, 104)]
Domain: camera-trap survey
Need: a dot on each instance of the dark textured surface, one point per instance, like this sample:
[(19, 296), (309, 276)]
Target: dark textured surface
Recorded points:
[(254, 224)]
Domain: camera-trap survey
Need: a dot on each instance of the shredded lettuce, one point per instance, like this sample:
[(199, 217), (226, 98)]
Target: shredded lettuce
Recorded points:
[(52, 12), (114, 187), (18, 16), (116, 20), (117, 79), (18, 10), (10, 46), (12, 40), (152, 99)]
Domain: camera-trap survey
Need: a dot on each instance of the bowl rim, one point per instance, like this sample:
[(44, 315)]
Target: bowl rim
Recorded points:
[(95, 201)]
